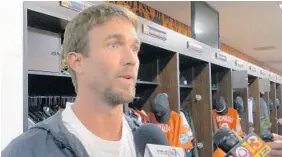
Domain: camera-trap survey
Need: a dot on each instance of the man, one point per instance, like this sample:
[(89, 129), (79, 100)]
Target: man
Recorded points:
[(101, 48)]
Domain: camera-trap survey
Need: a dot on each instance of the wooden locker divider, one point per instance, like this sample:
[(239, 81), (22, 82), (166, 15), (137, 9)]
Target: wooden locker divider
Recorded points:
[(254, 92), (221, 76), (168, 82), (243, 93), (201, 110), (187, 79), (279, 112), (273, 109)]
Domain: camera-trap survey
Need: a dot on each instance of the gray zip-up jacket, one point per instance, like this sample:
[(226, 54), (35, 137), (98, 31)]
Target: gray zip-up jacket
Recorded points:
[(50, 138)]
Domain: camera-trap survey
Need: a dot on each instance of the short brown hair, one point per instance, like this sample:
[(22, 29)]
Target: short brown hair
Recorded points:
[(76, 33)]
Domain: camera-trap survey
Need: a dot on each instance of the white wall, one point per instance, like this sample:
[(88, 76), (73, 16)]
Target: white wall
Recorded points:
[(11, 60)]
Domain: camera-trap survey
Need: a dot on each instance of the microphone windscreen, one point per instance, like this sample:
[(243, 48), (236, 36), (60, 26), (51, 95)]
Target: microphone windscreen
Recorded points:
[(220, 135), (225, 139), (148, 134)]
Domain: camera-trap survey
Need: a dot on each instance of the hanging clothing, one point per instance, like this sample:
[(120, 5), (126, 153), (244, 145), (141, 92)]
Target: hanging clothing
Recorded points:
[(186, 125), (142, 115), (265, 123), (134, 114), (264, 110), (250, 110), (174, 130), (230, 120), (277, 103), (187, 113), (239, 104), (271, 105)]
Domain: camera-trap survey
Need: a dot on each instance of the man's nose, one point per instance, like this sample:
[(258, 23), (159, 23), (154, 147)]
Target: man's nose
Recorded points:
[(130, 57)]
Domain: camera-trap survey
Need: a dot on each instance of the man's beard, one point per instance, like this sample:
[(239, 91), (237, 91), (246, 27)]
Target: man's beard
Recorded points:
[(115, 97)]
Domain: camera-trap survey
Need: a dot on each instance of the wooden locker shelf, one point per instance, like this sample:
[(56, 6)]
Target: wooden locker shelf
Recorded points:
[(186, 86), (146, 82)]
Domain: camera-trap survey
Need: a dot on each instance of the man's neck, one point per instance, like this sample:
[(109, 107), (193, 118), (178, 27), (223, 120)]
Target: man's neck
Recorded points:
[(103, 120)]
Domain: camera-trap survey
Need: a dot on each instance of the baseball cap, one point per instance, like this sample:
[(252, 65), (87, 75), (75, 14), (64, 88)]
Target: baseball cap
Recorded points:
[(160, 107)]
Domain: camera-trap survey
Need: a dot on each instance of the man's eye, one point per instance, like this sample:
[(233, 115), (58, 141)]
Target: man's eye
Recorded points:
[(113, 46)]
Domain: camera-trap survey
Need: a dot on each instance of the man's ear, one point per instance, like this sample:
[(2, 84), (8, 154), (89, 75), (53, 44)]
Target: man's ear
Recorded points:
[(75, 61)]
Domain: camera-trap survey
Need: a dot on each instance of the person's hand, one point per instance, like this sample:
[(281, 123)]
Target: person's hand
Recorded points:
[(191, 138), (276, 146)]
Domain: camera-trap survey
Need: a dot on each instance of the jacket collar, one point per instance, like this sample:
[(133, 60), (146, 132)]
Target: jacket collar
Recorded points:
[(62, 137)]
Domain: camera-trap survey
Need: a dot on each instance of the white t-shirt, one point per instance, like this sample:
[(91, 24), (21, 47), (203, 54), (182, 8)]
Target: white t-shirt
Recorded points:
[(186, 124), (95, 146)]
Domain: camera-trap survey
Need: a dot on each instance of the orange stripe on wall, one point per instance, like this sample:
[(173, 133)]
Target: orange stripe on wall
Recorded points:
[(155, 16)]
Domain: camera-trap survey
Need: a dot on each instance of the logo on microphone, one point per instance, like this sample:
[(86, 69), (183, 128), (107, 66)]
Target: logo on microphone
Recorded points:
[(242, 152), (170, 152)]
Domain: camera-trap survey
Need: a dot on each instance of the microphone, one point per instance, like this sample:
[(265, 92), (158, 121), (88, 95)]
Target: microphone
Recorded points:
[(148, 134), (231, 145)]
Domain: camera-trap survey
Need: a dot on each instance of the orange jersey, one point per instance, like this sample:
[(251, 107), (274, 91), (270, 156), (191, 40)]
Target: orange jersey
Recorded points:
[(230, 120), (219, 153), (174, 130)]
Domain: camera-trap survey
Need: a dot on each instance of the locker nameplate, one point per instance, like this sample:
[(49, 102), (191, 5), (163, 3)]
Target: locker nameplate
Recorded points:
[(75, 5), (194, 47), (253, 69), (262, 72), (153, 32), (239, 64), (221, 57)]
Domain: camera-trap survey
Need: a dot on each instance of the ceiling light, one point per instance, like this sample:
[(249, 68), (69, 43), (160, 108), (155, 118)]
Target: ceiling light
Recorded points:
[(264, 48), (280, 6)]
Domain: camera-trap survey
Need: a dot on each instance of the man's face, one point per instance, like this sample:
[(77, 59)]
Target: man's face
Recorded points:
[(112, 64)]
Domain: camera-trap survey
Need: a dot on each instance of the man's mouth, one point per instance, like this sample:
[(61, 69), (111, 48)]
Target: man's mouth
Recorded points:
[(128, 77)]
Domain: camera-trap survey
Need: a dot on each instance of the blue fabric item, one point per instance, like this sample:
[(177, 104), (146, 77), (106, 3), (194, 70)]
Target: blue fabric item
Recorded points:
[(188, 154)]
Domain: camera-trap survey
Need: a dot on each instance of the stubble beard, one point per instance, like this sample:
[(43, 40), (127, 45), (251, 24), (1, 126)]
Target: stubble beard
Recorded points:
[(115, 97)]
